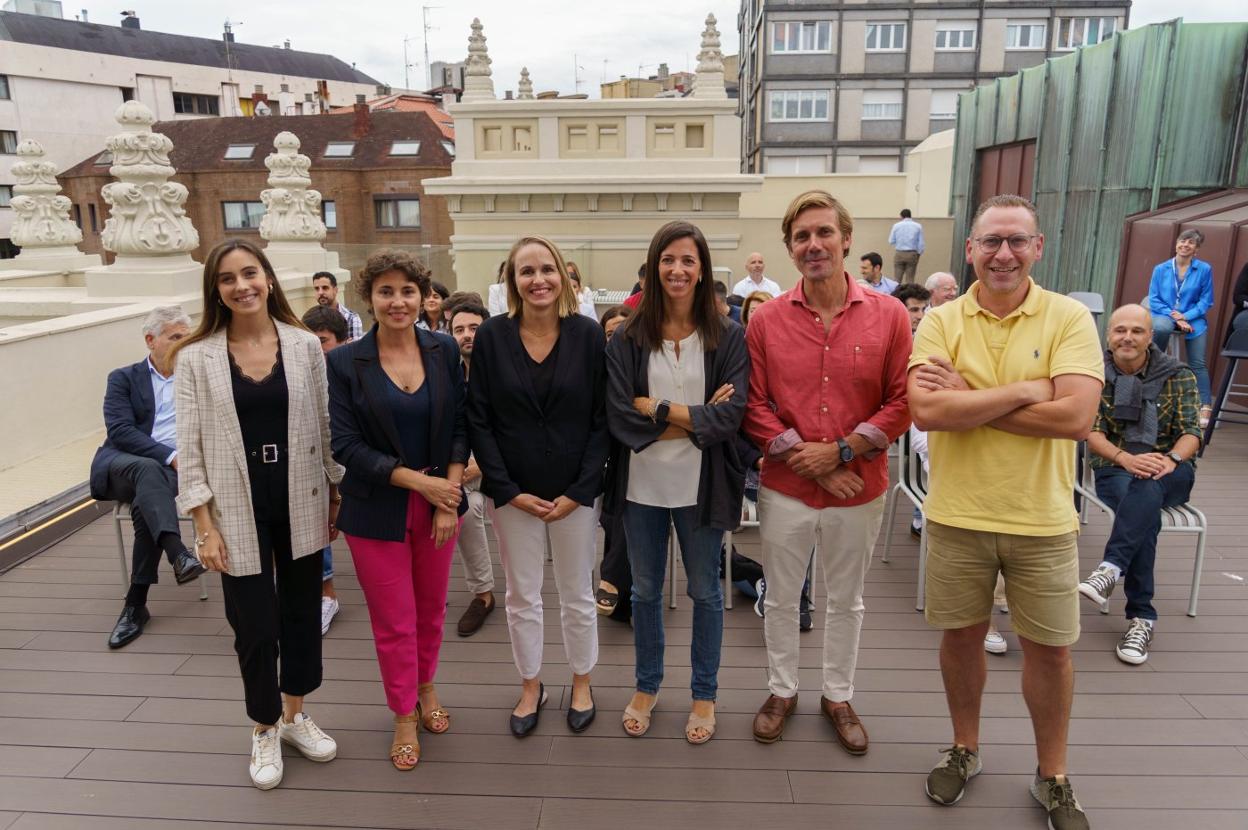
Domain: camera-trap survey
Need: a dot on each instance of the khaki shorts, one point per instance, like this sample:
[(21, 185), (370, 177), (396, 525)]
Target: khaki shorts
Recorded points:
[(1041, 581)]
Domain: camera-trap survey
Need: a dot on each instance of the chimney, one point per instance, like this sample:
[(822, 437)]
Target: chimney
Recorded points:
[(130, 20), (286, 45), (362, 125), (508, 95), (84, 16)]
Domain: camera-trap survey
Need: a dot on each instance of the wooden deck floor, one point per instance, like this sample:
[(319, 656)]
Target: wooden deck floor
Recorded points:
[(155, 735)]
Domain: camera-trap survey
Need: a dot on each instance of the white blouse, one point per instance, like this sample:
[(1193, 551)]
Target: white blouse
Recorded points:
[(666, 473)]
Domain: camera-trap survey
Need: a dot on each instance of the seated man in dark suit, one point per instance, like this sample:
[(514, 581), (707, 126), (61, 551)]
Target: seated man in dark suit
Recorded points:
[(138, 464)]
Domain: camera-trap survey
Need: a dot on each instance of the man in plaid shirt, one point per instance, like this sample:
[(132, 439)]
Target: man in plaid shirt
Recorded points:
[(1143, 441)]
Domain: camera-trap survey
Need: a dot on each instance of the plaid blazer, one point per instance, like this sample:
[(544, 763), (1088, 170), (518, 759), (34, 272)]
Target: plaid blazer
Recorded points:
[(212, 467)]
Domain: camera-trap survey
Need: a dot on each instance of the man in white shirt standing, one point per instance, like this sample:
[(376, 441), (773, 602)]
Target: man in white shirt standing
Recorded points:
[(755, 280), (906, 237)]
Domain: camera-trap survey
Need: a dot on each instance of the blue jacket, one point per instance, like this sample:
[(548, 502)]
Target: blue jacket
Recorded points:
[(366, 437), (1194, 299), (129, 415)]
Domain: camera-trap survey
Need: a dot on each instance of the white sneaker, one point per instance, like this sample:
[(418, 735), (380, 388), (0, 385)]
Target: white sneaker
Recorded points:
[(308, 738), (329, 610), (994, 643), (266, 759)]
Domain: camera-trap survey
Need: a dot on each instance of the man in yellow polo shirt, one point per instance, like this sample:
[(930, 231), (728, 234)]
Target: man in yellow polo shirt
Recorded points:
[(1005, 379)]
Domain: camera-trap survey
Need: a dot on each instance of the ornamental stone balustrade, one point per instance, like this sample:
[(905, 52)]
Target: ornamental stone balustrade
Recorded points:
[(42, 227)]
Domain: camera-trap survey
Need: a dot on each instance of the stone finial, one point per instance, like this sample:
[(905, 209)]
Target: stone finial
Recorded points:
[(292, 209), (709, 81), (478, 86), (42, 212), (525, 88), (146, 209)]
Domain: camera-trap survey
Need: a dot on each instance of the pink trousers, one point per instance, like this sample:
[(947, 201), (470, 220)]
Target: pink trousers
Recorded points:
[(405, 587)]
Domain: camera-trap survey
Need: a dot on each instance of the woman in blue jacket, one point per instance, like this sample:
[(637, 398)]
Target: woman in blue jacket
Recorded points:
[(1180, 296)]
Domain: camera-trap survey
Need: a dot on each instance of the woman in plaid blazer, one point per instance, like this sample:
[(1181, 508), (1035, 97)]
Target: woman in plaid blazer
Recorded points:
[(256, 475)]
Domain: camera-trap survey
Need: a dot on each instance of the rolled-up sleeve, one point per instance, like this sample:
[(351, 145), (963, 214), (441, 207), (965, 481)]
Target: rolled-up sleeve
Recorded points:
[(193, 490)]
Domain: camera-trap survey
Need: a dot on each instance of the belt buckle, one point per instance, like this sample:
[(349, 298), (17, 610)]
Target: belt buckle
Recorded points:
[(268, 453)]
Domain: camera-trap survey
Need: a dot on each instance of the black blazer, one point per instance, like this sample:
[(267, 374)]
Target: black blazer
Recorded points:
[(129, 415), (366, 437), (521, 447)]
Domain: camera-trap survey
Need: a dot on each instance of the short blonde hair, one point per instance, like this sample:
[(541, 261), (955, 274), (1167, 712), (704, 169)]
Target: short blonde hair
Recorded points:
[(816, 199), (567, 303)]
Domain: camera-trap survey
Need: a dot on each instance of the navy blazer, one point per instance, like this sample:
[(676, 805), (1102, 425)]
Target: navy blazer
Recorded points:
[(522, 446), (366, 437), (129, 415)]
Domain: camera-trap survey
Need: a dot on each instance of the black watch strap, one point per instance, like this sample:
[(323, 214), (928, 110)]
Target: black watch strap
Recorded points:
[(1175, 457), (661, 411), (847, 452)]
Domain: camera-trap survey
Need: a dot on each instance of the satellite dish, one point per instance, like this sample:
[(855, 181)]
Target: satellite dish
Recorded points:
[(263, 109)]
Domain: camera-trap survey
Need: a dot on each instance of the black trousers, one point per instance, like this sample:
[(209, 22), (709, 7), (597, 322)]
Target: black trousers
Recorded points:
[(615, 567), (149, 487), (275, 614)]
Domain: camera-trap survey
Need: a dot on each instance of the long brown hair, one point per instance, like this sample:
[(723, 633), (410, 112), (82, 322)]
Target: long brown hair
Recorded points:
[(216, 315), (646, 326), (567, 304)]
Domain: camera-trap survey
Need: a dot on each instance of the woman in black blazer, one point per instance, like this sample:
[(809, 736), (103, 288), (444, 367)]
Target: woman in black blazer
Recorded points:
[(536, 411), (396, 401)]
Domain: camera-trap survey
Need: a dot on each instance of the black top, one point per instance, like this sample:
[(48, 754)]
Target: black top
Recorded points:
[(524, 444), (411, 415), (543, 374), (261, 406)]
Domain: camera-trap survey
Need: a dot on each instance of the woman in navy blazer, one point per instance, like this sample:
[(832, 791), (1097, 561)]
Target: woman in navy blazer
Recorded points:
[(536, 410), (396, 402), (1180, 296)]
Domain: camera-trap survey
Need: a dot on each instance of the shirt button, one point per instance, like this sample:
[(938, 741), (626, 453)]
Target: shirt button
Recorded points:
[(312, 450), (824, 440), (825, 378), (314, 491), (823, 409), (817, 320), (827, 348)]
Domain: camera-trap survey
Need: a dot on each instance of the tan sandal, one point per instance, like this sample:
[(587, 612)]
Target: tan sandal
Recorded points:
[(398, 750), (699, 722), (642, 718), (436, 716)]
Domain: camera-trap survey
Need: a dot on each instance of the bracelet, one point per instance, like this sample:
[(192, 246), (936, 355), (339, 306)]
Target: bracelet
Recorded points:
[(200, 540), (654, 409), (1114, 460)]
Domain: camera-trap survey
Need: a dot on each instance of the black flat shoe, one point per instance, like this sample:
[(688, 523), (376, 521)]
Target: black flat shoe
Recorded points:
[(129, 625), (522, 726), (186, 567), (580, 719)]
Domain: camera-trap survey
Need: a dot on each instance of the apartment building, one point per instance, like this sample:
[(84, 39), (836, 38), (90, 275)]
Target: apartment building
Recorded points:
[(851, 87)]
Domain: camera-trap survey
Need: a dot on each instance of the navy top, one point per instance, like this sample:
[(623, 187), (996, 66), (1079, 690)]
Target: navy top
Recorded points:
[(411, 412), (543, 374)]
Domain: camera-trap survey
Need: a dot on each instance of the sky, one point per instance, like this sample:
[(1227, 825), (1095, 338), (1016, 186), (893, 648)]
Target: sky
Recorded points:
[(600, 40)]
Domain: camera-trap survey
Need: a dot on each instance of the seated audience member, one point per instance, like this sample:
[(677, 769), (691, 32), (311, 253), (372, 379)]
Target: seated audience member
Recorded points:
[(1143, 444), (871, 267), (473, 549), (751, 305), (458, 298), (615, 584), (634, 296), (944, 287), (325, 284), (432, 315), (138, 464), (916, 298), (584, 296), (721, 303), (1239, 302), (331, 329)]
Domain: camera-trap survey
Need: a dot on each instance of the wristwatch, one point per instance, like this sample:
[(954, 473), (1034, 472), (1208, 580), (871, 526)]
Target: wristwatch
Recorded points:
[(661, 411), (847, 452), (1175, 457)]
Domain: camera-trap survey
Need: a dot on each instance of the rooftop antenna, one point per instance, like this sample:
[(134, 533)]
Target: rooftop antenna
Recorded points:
[(229, 41), (576, 74), (407, 81), (424, 11)]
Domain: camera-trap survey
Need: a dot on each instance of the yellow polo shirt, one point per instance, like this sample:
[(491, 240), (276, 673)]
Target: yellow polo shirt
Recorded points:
[(983, 478)]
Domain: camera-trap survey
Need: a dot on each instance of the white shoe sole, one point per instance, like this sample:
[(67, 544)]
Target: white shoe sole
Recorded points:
[(265, 786), (996, 648), (1132, 659), (1090, 593), (311, 756)]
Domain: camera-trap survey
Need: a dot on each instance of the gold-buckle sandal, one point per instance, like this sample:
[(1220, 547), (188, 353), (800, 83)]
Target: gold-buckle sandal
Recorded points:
[(398, 750)]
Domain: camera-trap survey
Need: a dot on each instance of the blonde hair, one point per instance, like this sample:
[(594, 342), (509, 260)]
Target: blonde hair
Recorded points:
[(816, 199), (567, 303), (751, 302)]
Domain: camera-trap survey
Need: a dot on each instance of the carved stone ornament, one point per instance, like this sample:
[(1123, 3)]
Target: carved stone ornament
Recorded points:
[(525, 87), (292, 209), (147, 216), (478, 85), (709, 81), (41, 212)]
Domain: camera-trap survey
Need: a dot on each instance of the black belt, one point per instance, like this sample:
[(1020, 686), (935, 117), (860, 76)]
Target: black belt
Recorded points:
[(267, 453)]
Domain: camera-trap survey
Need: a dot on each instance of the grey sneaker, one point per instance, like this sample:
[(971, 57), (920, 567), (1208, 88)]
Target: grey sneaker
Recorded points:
[(946, 783), (1098, 586), (1058, 800), (1133, 647)]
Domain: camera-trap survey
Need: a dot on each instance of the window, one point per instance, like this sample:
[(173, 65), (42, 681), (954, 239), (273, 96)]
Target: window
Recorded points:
[(1024, 36), (397, 213), (8, 142), (449, 148), (77, 214), (794, 36), (242, 215), (1073, 32), (95, 218), (404, 148), (944, 104), (799, 105), (339, 149), (329, 215), (188, 103), (4, 87), (240, 151), (6, 195), (886, 37), (797, 165), (877, 164), (955, 36), (881, 105), (104, 159)]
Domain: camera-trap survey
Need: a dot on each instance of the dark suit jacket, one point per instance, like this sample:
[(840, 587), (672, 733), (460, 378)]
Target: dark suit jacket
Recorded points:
[(523, 447), (366, 437), (129, 415)]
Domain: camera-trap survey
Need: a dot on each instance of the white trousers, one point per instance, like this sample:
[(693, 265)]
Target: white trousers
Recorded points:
[(522, 545), (472, 547), (845, 537)]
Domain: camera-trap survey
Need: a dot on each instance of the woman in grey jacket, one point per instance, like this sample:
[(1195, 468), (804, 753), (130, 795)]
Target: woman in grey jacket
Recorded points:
[(676, 386)]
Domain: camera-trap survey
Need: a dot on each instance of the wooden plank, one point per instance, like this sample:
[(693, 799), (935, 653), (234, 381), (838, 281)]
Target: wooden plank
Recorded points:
[(68, 707), (41, 762), (48, 821), (87, 661)]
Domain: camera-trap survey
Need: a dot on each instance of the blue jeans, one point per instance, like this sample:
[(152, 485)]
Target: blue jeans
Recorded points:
[(647, 531), (1132, 544), (327, 563), (1196, 347)]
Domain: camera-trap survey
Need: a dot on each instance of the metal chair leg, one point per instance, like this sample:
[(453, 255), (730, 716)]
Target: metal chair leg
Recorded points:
[(121, 551), (1200, 562), (888, 524)]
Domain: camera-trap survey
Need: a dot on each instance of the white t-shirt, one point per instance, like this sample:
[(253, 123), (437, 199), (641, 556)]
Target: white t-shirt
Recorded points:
[(666, 473), (747, 287), (496, 303)]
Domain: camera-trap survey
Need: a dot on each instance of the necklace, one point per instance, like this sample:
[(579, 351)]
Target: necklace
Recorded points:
[(407, 381)]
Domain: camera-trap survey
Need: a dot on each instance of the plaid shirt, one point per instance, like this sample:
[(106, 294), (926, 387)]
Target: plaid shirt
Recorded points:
[(355, 328), (1178, 408)]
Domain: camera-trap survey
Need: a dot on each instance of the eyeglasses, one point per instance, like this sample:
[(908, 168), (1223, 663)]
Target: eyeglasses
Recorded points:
[(1018, 242)]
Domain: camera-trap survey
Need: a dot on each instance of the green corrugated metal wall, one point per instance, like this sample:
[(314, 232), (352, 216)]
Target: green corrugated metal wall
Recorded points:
[(1143, 119)]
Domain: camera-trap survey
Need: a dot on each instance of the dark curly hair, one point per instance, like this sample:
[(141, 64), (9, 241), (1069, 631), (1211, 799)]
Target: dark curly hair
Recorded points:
[(390, 259)]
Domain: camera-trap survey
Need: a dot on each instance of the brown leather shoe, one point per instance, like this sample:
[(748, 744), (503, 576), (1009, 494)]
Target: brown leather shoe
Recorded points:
[(474, 616), (850, 732), (769, 722)]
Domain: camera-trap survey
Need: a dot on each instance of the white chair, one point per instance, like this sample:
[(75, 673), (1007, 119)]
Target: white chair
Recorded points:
[(121, 510), (1184, 518), (911, 484)]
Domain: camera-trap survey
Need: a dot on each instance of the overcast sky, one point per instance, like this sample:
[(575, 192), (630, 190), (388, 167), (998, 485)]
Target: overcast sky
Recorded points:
[(539, 34)]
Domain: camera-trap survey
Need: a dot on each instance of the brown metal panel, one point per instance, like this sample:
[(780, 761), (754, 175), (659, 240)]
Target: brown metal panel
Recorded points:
[(989, 173), (1027, 167)]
